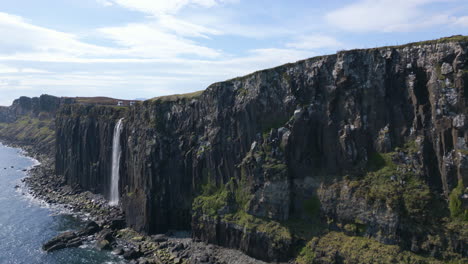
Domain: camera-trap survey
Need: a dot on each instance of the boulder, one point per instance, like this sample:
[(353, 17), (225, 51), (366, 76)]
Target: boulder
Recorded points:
[(63, 240)]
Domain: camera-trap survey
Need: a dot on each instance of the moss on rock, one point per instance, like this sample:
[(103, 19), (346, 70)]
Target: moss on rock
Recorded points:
[(336, 247), (455, 203)]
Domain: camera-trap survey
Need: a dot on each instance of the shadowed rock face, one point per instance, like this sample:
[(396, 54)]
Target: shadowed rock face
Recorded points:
[(282, 132), (84, 146)]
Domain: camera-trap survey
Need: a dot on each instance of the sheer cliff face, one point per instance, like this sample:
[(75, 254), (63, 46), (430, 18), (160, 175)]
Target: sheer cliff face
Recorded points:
[(84, 146), (284, 136)]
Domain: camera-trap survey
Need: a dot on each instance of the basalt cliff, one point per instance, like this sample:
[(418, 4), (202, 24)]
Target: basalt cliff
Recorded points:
[(357, 157)]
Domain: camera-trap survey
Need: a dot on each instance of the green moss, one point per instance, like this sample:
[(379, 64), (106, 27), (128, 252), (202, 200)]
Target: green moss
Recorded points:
[(394, 184), (411, 146), (242, 91), (306, 256), (455, 204), (338, 247), (275, 168), (235, 197), (274, 229), (212, 199)]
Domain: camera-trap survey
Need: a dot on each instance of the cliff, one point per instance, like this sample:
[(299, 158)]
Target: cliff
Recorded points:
[(31, 122), (370, 143)]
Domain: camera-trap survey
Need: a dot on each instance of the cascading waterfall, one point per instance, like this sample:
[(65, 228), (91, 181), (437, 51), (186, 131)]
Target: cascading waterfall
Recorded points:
[(116, 153)]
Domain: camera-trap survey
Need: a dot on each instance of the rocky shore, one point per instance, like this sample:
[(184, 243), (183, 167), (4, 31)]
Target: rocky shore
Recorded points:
[(106, 228)]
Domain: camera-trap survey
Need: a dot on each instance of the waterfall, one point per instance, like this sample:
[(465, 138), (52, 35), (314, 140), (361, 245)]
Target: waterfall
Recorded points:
[(116, 153)]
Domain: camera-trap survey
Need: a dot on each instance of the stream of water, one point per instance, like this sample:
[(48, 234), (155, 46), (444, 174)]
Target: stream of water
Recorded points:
[(116, 153)]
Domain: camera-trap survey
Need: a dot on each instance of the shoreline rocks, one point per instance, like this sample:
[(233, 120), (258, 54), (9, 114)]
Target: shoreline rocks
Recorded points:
[(106, 228), (63, 240)]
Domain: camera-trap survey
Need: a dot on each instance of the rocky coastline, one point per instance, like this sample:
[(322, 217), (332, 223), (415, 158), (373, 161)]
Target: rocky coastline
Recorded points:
[(105, 226)]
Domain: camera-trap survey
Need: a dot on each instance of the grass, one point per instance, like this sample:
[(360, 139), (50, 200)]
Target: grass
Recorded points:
[(396, 185), (211, 200), (175, 97), (100, 100), (336, 247), (30, 129), (235, 197), (455, 203)]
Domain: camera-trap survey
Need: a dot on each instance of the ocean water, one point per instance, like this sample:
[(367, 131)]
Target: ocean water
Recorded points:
[(26, 223)]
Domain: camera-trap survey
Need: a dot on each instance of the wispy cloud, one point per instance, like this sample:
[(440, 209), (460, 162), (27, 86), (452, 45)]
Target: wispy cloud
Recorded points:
[(146, 40), (310, 42), (387, 16), (158, 7), (18, 36)]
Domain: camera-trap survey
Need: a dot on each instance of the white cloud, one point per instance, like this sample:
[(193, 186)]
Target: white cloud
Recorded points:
[(22, 40), (19, 36), (185, 28), (383, 15), (461, 21), (314, 42), (105, 2), (147, 41), (158, 7), (5, 69)]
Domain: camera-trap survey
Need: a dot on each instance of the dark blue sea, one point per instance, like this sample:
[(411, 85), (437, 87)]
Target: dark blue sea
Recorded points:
[(26, 223)]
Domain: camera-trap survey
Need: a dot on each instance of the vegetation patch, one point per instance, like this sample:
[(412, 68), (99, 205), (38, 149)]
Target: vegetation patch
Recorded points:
[(396, 184), (455, 204), (175, 97), (29, 129), (230, 203), (336, 247), (211, 200)]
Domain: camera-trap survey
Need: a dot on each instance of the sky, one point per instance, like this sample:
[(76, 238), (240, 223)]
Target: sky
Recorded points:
[(146, 48)]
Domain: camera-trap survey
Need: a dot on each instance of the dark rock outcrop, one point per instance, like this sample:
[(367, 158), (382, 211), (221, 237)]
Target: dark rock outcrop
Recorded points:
[(64, 240)]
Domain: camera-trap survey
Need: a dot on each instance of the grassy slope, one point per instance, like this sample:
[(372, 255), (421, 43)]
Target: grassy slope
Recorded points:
[(35, 131)]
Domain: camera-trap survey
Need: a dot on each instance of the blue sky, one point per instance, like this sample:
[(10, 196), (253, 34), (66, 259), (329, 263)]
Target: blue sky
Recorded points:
[(146, 48)]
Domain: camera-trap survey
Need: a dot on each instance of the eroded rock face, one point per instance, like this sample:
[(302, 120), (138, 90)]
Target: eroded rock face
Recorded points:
[(283, 132), (84, 146)]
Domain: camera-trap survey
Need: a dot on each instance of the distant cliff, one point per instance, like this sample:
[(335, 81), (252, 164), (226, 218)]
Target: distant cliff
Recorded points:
[(370, 143), (31, 121)]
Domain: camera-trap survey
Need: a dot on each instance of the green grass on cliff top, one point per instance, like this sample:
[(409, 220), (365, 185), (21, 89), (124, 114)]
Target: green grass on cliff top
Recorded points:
[(175, 97)]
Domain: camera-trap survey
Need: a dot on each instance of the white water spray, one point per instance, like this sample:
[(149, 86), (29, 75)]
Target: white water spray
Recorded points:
[(116, 153)]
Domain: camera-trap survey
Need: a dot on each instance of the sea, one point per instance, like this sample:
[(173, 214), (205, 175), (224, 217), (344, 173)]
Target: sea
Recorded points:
[(26, 223)]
